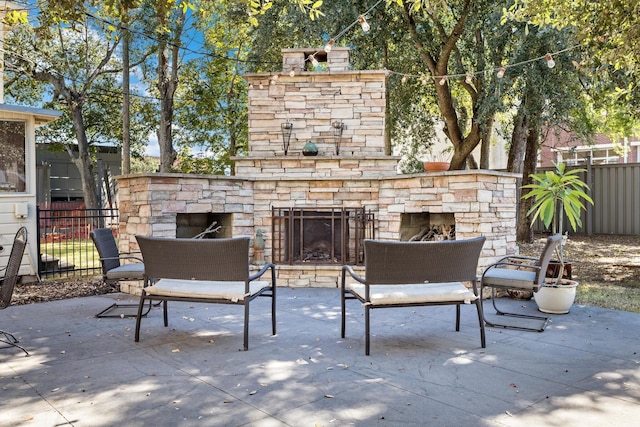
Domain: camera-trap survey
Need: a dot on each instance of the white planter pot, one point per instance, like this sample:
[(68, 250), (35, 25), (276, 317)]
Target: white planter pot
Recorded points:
[(556, 299)]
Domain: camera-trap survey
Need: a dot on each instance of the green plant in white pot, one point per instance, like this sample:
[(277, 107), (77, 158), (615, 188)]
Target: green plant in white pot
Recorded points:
[(558, 194)]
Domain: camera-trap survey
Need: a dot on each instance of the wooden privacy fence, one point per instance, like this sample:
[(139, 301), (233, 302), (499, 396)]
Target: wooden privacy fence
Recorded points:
[(615, 190)]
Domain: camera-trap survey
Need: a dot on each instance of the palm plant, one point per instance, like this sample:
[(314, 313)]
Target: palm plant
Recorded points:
[(558, 193)]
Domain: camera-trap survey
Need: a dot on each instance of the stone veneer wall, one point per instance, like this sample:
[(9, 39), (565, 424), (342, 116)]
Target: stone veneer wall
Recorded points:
[(483, 204)]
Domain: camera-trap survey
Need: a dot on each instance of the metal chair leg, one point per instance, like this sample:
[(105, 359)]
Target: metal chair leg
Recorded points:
[(11, 341), (115, 306), (543, 319)]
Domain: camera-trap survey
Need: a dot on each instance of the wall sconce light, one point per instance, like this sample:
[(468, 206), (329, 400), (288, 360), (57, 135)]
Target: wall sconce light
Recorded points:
[(287, 129), (338, 127)]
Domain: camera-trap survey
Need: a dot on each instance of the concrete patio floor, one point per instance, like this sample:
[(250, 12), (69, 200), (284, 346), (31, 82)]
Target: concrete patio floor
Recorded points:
[(584, 370)]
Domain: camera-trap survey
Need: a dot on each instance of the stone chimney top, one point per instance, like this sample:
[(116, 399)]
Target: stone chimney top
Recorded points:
[(336, 60)]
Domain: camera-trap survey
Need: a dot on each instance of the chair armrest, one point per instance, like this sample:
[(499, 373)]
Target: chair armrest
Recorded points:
[(264, 270), (352, 273), (517, 265), (122, 257)]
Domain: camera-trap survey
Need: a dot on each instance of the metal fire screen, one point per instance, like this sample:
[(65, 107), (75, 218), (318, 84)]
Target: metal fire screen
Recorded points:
[(328, 236)]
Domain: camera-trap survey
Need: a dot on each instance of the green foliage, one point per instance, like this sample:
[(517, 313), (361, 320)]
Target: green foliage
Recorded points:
[(556, 194), (144, 164)]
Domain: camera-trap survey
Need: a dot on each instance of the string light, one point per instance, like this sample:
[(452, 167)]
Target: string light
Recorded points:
[(364, 24), (442, 80), (550, 62), (329, 45), (260, 86)]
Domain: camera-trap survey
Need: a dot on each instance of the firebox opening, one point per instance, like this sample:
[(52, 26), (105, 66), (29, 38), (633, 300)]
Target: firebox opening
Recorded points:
[(311, 236), (427, 226), (189, 225)]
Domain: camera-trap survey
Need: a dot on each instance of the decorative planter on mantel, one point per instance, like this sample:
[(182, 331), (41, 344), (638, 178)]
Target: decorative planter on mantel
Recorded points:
[(436, 166)]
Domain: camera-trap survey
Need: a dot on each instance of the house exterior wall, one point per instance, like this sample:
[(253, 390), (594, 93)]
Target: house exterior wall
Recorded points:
[(19, 208)]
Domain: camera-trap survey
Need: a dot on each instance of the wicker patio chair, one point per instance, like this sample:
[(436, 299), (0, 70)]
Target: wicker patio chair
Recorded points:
[(407, 274), (203, 270), (521, 273), (8, 282), (115, 271)]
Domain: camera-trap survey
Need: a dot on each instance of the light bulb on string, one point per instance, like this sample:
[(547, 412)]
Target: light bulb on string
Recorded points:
[(501, 72), (313, 60), (424, 80), (404, 79), (469, 79), (329, 45), (292, 73), (274, 78), (550, 62), (364, 24), (260, 86), (443, 80)]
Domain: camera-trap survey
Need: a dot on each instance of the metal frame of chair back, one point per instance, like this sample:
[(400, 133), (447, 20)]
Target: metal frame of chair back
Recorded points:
[(8, 282)]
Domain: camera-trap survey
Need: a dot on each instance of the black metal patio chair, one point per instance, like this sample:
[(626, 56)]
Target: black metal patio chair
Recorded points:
[(522, 273), (8, 282)]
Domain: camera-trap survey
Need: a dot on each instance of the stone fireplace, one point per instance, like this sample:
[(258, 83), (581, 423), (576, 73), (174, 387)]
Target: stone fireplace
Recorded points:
[(315, 211)]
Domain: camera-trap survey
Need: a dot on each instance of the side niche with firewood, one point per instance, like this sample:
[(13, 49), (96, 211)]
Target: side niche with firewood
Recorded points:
[(431, 227)]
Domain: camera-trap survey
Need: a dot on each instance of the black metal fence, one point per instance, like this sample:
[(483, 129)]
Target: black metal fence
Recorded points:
[(64, 246)]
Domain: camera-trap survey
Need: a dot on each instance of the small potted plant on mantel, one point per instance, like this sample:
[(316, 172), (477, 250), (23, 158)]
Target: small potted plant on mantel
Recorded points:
[(437, 162), (557, 193)]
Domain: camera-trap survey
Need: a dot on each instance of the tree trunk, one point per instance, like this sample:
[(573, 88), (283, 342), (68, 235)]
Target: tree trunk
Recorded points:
[(83, 161), (518, 141), (167, 85), (524, 232), (463, 146), (126, 126), (485, 147)]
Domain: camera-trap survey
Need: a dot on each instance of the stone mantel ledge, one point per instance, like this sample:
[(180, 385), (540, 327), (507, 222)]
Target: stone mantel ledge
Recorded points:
[(303, 73), (447, 174)]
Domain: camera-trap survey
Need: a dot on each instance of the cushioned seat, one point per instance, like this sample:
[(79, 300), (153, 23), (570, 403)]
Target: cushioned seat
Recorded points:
[(415, 293), (233, 291), (511, 278), (126, 272)]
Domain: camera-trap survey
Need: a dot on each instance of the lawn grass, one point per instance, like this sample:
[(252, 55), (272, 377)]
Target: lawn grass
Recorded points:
[(81, 253), (618, 296)]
